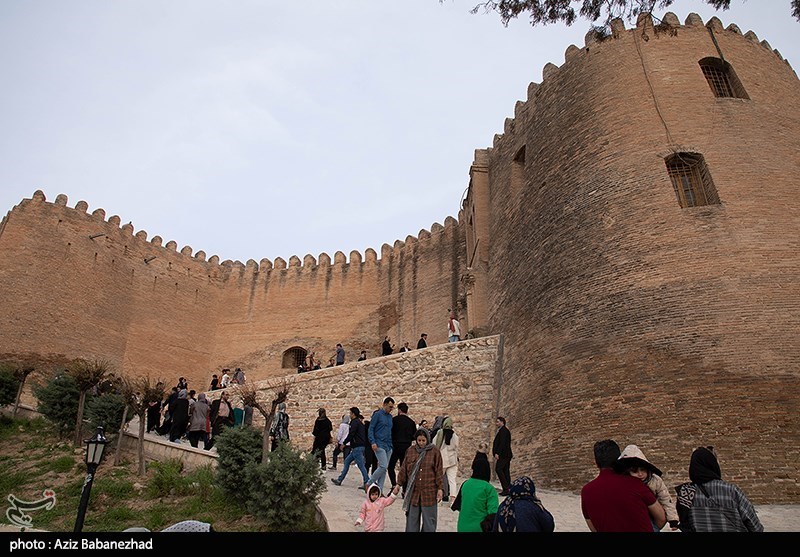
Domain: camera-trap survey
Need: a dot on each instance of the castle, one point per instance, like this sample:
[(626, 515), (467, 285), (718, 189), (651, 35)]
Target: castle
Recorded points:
[(631, 239)]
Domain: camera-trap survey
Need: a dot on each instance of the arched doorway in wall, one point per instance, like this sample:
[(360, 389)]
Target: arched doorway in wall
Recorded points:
[(294, 357)]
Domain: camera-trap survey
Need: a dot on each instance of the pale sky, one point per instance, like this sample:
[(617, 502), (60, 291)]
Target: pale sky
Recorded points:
[(257, 128)]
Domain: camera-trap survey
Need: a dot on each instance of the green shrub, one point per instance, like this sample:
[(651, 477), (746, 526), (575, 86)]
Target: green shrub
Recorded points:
[(237, 447), (285, 490), (106, 411), (8, 386), (167, 479), (201, 482), (58, 402)]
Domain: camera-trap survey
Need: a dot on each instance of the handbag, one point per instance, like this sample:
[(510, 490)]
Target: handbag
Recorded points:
[(456, 506)]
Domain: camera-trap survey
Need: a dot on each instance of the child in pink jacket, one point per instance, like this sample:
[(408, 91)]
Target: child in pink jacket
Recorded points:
[(372, 509)]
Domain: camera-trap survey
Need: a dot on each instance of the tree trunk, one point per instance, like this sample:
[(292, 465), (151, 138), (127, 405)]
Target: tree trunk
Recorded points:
[(266, 444), (19, 395), (79, 420), (121, 433), (140, 447)]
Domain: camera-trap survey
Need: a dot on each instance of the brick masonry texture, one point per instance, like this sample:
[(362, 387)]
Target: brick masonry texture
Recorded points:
[(621, 315), (450, 379)]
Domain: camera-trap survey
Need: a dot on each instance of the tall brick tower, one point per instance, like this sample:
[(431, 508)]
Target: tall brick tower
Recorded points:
[(634, 234)]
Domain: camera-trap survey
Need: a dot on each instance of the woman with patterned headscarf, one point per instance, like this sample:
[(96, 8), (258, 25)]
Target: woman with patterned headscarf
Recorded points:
[(422, 476), (522, 511)]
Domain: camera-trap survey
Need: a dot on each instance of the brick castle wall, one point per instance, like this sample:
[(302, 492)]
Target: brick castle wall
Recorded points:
[(84, 286)]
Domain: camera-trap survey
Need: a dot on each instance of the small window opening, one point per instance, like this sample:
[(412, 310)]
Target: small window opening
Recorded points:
[(691, 180), (722, 79), (518, 170)]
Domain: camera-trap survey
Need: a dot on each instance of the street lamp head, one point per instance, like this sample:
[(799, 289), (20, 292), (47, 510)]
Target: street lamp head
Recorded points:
[(95, 447)]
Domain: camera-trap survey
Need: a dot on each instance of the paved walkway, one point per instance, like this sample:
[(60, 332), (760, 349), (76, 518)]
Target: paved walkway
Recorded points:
[(340, 505)]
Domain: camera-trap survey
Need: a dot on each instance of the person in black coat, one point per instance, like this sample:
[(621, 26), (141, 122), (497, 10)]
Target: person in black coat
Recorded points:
[(403, 431), (179, 414), (220, 420), (501, 449), (153, 416), (322, 436), (357, 439), (370, 462), (386, 347), (166, 425)]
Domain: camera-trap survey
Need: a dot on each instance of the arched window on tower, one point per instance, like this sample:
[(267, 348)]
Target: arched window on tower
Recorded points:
[(691, 180), (722, 79), (294, 357)]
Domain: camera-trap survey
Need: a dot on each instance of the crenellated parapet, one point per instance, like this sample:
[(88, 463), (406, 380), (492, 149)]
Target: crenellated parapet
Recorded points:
[(111, 227), (213, 266), (645, 29)]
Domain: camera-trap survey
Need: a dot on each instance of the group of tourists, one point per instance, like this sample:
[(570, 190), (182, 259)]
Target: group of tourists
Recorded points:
[(629, 495), (421, 463), (184, 414)]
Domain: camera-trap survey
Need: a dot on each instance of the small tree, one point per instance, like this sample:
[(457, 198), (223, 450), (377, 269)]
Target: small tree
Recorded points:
[(138, 393), (8, 384), (105, 410), (87, 374), (22, 365), (58, 402), (237, 447), (285, 489), (256, 399)]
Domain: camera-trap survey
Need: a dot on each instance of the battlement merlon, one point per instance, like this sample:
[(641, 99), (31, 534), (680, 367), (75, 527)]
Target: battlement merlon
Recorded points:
[(227, 267)]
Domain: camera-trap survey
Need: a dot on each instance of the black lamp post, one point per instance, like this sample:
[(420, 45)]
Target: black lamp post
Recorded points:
[(94, 454)]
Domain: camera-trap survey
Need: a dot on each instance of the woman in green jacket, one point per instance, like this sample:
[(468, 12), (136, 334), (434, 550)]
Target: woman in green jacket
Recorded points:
[(477, 499)]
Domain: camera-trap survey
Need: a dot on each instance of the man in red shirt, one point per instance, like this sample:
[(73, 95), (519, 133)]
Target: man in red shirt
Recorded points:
[(613, 503)]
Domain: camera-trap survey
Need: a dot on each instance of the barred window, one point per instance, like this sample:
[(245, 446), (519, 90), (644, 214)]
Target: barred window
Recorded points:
[(293, 357), (722, 79), (691, 180)]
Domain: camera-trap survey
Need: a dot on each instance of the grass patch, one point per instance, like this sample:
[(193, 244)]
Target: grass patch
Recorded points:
[(33, 458), (61, 464)]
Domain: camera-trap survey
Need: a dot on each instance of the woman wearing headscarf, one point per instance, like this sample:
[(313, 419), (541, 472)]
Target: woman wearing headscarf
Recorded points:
[(341, 435), (446, 441), (279, 430), (522, 511), (453, 328), (421, 475), (477, 499), (221, 416), (179, 412), (199, 421), (710, 504), (322, 436)]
